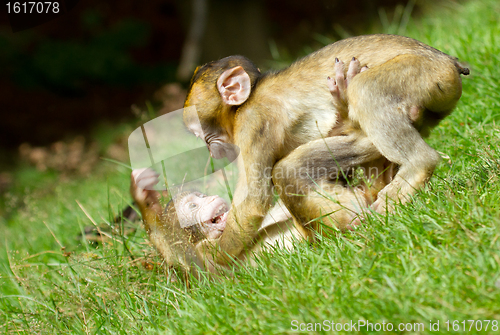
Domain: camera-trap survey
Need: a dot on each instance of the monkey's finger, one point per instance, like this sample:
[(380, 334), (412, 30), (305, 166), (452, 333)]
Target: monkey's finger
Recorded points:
[(145, 178), (339, 77), (354, 68), (332, 86), (137, 172), (147, 183), (364, 68), (144, 173)]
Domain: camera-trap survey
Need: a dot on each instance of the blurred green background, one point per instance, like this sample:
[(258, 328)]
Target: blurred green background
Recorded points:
[(64, 77)]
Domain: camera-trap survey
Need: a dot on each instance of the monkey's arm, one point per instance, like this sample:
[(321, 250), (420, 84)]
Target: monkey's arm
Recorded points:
[(245, 219), (166, 234), (252, 198)]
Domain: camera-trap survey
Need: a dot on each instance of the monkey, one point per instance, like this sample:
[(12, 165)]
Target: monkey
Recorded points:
[(191, 217), (204, 217), (287, 120), (164, 238)]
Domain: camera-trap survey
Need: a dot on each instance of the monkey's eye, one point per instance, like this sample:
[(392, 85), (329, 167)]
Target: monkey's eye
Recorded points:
[(192, 205)]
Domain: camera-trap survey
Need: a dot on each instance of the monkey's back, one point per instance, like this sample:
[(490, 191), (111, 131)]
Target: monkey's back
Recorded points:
[(370, 50), (299, 95)]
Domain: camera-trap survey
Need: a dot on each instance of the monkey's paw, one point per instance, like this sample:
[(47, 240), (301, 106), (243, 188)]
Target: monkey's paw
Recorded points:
[(356, 222), (338, 84), (142, 182), (145, 178), (383, 204)]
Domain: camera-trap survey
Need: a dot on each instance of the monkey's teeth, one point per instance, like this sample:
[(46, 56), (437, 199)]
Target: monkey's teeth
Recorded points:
[(222, 209), (219, 218)]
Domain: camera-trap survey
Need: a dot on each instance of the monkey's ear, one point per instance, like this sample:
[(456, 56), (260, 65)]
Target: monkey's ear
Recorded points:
[(234, 86)]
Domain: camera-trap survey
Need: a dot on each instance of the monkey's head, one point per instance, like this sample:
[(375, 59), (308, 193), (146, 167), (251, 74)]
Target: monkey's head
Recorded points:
[(217, 90), (200, 215)]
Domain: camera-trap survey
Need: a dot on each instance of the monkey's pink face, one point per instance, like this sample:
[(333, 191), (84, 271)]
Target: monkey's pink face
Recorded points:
[(210, 212)]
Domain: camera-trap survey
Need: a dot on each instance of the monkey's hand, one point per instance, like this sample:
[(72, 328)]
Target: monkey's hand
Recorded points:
[(142, 182), (392, 194), (338, 84)]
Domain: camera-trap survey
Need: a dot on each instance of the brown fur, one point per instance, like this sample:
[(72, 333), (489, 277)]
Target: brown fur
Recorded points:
[(289, 115), (184, 247), (165, 237)]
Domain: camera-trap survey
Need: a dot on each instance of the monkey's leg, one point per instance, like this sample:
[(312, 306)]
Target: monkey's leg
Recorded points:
[(314, 180), (392, 102)]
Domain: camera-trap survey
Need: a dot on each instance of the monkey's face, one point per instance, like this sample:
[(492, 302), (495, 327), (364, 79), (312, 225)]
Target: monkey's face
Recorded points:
[(204, 118), (209, 212), (216, 95)]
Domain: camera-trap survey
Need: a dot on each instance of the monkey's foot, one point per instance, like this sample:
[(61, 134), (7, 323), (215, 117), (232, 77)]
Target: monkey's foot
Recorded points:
[(383, 205), (386, 201), (338, 84), (398, 191)]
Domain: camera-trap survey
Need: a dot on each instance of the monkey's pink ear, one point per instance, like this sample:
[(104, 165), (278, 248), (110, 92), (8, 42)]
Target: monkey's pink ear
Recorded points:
[(234, 86)]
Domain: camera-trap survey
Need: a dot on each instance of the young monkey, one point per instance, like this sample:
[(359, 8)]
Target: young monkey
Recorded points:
[(191, 217), (287, 121)]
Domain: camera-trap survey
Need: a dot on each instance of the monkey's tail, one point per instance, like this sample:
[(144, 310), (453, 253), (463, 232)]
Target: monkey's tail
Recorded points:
[(463, 70)]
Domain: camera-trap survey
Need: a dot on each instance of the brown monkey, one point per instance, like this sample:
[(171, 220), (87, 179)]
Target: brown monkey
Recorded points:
[(164, 238), (286, 120), (191, 217)]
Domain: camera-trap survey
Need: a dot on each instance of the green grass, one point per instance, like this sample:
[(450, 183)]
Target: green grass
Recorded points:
[(437, 258)]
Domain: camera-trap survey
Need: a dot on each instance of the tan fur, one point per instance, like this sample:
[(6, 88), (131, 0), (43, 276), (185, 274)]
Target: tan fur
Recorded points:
[(290, 114), (191, 251), (172, 242), (184, 247)]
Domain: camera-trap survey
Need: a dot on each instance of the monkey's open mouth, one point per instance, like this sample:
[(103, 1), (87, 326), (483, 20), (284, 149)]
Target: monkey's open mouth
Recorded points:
[(220, 218), (214, 227), (220, 214)]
